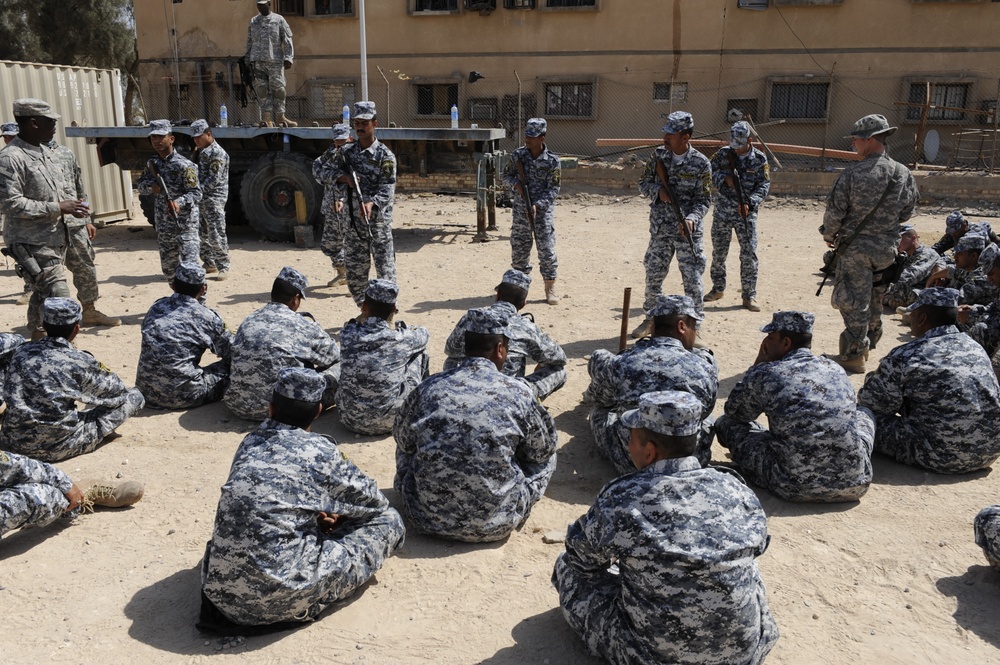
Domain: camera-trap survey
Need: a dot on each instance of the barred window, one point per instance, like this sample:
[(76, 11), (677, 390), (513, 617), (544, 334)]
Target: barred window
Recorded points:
[(670, 92), (570, 3), (334, 8), (569, 99), (952, 95), (518, 4), (436, 98), (291, 7), (799, 100), (434, 6)]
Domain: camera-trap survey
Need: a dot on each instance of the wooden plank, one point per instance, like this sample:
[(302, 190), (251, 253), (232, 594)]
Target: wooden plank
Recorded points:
[(785, 148)]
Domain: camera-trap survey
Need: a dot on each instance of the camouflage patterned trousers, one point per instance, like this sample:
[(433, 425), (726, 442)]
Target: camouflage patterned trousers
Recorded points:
[(896, 438), (856, 297), (80, 262), (50, 281), (269, 84), (214, 243), (664, 242), (359, 254), (95, 424), (726, 220), (176, 248), (523, 235), (545, 380), (987, 335), (611, 437), (761, 458), (32, 504), (332, 241), (987, 529)]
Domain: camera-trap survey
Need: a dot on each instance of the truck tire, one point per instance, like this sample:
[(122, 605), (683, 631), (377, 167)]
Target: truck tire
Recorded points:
[(148, 209), (268, 194)]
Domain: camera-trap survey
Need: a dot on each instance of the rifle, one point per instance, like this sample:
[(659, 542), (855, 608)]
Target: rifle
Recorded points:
[(245, 90), (738, 186), (527, 195), (661, 173), (355, 191), (166, 192), (829, 268)]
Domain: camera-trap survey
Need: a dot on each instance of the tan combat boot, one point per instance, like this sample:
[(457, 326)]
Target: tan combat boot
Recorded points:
[(111, 495), (94, 317), (222, 276), (24, 298), (340, 279), (645, 329), (285, 122), (551, 297), (266, 119), (713, 295), (751, 304)]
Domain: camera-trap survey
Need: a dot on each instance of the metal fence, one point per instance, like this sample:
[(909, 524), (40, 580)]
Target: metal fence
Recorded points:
[(946, 119)]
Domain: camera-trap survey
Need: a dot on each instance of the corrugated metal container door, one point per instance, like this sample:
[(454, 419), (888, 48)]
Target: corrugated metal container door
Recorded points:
[(85, 97)]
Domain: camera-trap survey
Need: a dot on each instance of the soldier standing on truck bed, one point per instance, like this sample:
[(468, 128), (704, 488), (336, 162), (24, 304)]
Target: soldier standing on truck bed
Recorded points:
[(270, 52)]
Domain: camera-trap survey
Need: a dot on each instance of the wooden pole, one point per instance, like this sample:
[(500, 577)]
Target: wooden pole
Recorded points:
[(626, 303), (929, 90), (787, 148), (753, 130)]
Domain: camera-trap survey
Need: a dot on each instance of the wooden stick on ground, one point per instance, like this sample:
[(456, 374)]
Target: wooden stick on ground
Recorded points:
[(626, 303)]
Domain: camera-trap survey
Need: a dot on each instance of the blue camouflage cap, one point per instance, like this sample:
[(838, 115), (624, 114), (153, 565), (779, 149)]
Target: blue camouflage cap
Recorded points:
[(935, 297), (190, 273), (535, 127), (10, 129), (674, 306), (160, 128), (9, 342), (487, 321), (295, 278), (517, 278), (955, 221), (198, 127), (988, 256), (341, 132), (301, 383), (794, 322), (61, 311), (29, 107), (677, 122), (970, 242), (364, 110), (739, 134), (669, 412), (382, 290)]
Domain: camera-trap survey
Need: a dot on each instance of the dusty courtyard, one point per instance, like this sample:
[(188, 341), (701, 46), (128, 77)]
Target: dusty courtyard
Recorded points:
[(895, 578)]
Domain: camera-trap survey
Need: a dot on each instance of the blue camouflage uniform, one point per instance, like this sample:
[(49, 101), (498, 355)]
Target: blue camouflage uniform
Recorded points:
[(543, 176), (818, 444), (935, 402), (31, 492), (916, 270), (177, 237), (213, 177), (755, 176), (987, 530), (690, 177), (176, 332), (45, 381), (334, 223), (475, 451), (662, 568), (268, 560), (269, 47), (527, 341), (375, 167), (8, 344), (271, 338), (380, 366)]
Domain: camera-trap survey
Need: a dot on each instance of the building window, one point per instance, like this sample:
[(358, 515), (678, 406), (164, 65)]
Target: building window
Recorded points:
[(436, 98), (572, 100), (485, 6), (290, 8), (752, 4), (948, 95), (483, 108), (741, 109), (528, 4), (670, 92), (334, 8), (799, 101), (431, 6), (571, 3), (328, 96), (793, 3), (513, 118)]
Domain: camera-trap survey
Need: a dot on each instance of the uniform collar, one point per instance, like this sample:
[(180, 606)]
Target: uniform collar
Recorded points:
[(673, 465)]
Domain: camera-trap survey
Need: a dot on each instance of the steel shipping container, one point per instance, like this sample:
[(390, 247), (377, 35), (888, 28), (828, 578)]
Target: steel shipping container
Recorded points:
[(83, 96)]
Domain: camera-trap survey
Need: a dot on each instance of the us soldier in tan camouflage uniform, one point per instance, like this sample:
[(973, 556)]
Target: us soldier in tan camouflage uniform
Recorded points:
[(270, 51)]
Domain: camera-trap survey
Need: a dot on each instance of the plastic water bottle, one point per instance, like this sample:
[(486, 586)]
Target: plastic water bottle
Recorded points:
[(223, 116), (346, 115), (454, 116)]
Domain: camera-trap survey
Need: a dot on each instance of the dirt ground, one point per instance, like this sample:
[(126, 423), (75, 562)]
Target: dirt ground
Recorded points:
[(895, 578)]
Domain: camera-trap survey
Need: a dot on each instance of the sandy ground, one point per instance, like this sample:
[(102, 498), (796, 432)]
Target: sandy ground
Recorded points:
[(893, 579)]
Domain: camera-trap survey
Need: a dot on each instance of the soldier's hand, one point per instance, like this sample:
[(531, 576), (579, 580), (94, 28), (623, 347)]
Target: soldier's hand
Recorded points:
[(368, 208), (520, 190), (686, 228), (534, 212), (939, 278), (73, 207), (729, 181), (963, 313), (663, 195), (288, 64), (744, 210), (174, 207), (338, 206), (328, 522), (344, 180), (75, 498), (91, 231)]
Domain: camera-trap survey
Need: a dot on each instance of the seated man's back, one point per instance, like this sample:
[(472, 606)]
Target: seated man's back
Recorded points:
[(474, 448)]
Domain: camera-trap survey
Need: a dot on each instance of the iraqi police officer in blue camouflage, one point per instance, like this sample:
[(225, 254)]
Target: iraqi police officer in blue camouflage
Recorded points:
[(270, 52), (535, 167), (274, 337), (982, 322), (8, 131), (176, 210), (689, 175), (662, 568), (968, 274), (381, 362), (213, 177), (475, 449), (33, 493), (868, 202), (668, 360), (374, 165), (334, 204), (33, 208), (298, 526), (956, 226), (176, 332), (527, 341), (818, 443), (987, 530), (741, 163), (935, 399), (8, 344), (917, 267), (46, 380)]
